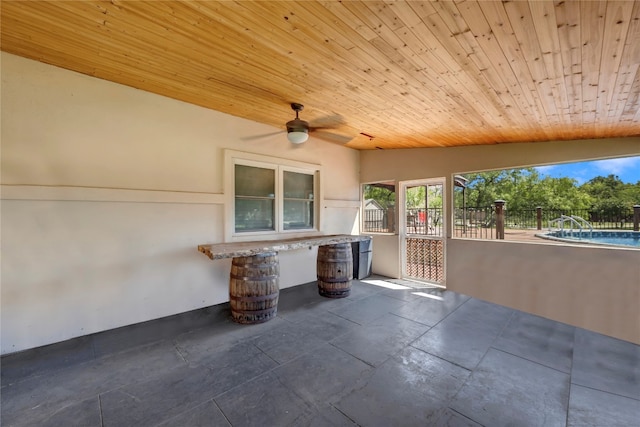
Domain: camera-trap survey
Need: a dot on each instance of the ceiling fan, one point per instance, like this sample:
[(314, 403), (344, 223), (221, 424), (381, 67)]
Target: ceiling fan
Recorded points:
[(298, 130)]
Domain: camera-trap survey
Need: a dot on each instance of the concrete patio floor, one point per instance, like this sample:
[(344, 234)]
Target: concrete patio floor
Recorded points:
[(389, 355)]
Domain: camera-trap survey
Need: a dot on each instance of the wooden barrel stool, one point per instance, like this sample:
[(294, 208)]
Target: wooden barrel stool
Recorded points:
[(334, 270), (254, 288)]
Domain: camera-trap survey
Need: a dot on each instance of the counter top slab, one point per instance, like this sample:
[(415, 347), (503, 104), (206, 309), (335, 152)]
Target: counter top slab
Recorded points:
[(242, 249)]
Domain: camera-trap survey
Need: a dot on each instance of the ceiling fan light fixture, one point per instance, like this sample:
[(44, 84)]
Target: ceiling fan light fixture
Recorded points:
[(297, 137), (297, 129)]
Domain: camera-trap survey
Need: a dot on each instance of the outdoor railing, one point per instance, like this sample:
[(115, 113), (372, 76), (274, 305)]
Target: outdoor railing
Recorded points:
[(611, 219), (378, 220), (475, 223), (426, 222), (480, 223)]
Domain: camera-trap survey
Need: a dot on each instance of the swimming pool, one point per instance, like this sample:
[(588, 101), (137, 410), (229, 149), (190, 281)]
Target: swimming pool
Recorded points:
[(617, 238)]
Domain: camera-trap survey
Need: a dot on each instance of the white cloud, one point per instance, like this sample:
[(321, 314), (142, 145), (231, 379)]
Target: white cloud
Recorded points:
[(617, 166), (564, 170), (545, 170)]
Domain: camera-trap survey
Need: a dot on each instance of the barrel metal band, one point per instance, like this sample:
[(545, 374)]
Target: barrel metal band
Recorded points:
[(345, 292), (334, 280), (253, 312), (254, 279), (254, 264), (254, 299)]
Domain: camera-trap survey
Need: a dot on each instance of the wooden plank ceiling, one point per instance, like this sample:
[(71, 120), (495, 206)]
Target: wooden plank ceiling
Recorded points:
[(379, 74)]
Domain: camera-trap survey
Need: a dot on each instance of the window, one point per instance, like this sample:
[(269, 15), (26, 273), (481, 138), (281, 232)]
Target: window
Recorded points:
[(271, 197), (255, 190), (379, 212), (298, 200)]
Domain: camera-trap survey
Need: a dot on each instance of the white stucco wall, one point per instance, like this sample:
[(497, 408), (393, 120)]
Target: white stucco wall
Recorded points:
[(108, 190), (594, 288)]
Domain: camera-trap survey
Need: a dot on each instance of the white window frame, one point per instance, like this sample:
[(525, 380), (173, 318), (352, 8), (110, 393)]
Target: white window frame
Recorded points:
[(233, 158), (364, 213)]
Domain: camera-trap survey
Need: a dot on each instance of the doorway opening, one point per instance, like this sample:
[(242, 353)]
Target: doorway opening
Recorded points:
[(423, 231)]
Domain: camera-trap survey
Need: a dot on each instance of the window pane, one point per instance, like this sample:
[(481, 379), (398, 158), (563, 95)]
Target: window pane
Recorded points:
[(252, 181), (254, 214), (298, 185), (298, 214), (379, 207)]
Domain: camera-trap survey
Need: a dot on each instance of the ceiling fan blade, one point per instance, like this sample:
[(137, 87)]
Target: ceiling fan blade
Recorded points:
[(331, 137), (262, 136), (328, 122)]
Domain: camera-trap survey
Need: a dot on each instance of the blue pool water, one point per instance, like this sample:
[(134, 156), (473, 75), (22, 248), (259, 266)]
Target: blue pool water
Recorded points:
[(619, 238)]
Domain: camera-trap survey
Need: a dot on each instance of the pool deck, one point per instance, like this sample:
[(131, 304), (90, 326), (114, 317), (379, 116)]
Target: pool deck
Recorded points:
[(529, 236), (522, 235)]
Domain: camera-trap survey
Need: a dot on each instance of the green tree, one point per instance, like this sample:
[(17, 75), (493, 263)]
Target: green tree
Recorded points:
[(483, 188), (524, 189), (630, 193), (415, 197), (382, 193), (561, 194), (607, 193)]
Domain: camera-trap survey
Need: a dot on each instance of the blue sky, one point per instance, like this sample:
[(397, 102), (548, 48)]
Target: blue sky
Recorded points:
[(626, 168)]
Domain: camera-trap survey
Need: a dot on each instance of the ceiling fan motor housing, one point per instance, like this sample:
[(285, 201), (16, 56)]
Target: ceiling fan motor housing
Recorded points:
[(297, 125)]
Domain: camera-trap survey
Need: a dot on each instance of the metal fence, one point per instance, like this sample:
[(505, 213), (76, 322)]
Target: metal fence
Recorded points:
[(612, 219), (475, 223), (379, 220), (480, 223), (426, 222)]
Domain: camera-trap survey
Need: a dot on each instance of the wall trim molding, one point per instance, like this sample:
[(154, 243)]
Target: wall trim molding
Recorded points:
[(97, 194)]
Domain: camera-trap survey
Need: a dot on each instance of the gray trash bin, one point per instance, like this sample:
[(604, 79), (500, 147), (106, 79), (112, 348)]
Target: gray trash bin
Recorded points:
[(361, 258)]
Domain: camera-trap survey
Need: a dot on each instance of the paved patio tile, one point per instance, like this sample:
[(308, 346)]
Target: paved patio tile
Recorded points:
[(217, 353), (171, 394), (287, 342), (409, 389), (297, 298), (605, 363), (326, 326), (38, 397), (588, 407), (332, 362), (506, 390), (451, 418), (379, 340), (323, 375), (204, 415), (368, 309), (144, 333), (539, 340), (86, 414), (263, 401), (466, 334), (45, 360), (361, 290), (326, 416), (430, 306)]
